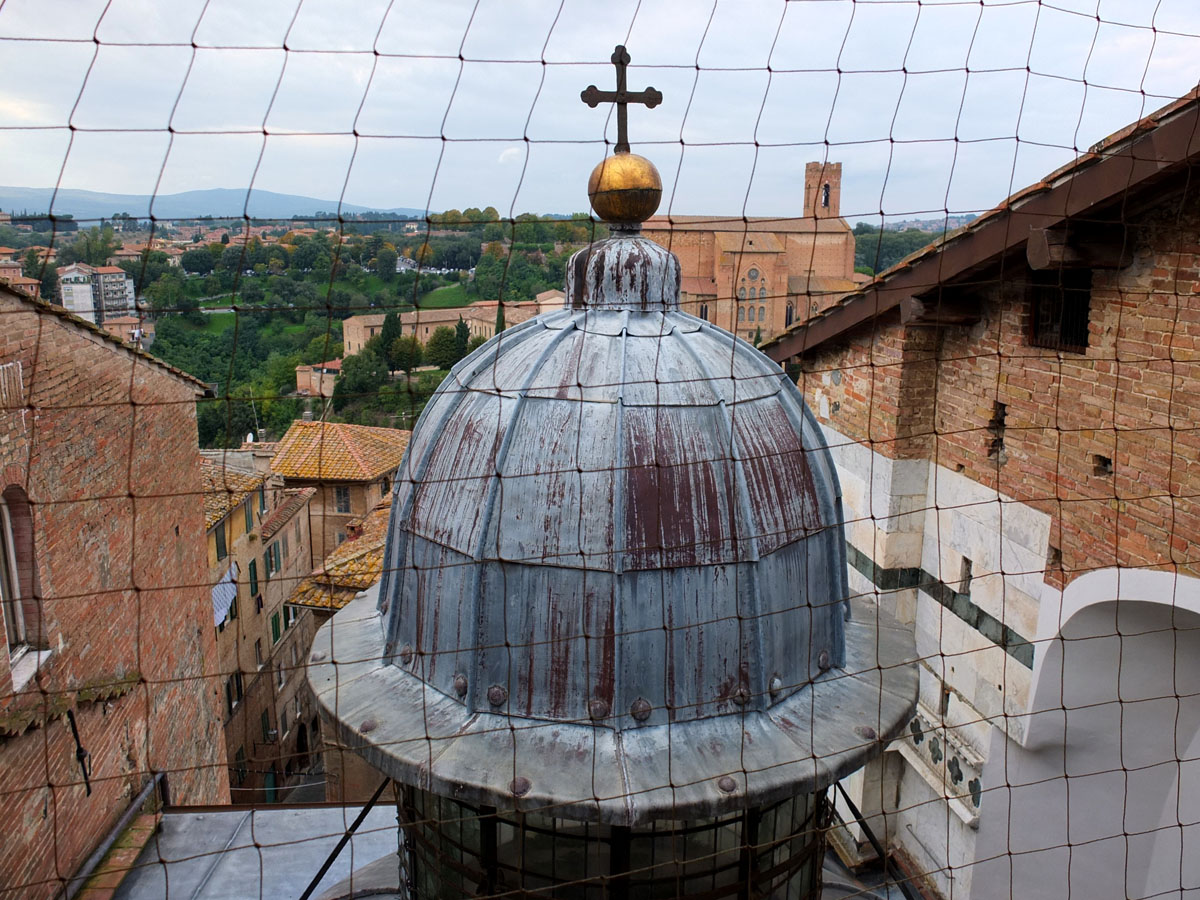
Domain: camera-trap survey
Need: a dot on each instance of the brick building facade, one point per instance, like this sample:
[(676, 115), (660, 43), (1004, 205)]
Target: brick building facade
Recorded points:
[(350, 466), (259, 547), (757, 276), (1014, 417), (107, 616), (480, 318)]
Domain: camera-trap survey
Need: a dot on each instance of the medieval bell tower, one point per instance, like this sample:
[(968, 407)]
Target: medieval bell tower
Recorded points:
[(822, 190)]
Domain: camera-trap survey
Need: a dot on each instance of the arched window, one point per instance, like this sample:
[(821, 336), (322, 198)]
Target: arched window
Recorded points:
[(789, 314), (741, 314), (704, 311), (17, 578), (752, 314), (762, 293), (825, 195), (762, 313), (741, 293)]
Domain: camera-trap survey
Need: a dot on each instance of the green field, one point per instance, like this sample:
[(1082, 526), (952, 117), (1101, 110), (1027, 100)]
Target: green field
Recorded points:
[(214, 323), (446, 297)]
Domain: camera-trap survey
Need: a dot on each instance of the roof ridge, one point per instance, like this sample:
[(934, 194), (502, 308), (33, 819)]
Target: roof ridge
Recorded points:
[(353, 449)]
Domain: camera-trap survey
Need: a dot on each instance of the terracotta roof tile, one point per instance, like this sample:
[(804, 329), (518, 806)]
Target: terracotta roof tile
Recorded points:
[(334, 451), (224, 489), (354, 566), (294, 501)]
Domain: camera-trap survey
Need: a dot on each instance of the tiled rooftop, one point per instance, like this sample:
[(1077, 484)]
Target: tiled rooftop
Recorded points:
[(354, 566), (224, 488), (294, 500), (334, 451)]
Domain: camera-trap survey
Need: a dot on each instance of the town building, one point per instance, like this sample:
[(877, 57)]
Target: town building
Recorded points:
[(1013, 413), (259, 546), (755, 276), (351, 466), (353, 567), (136, 330), (11, 274), (479, 316), (105, 695), (112, 292), (318, 379), (76, 291)]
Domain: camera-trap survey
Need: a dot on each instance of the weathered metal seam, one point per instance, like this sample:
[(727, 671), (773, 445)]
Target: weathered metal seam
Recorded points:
[(473, 686), (396, 541), (759, 692), (791, 399), (618, 532)]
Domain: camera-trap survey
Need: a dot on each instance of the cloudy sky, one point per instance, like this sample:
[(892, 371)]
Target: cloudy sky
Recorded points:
[(930, 106)]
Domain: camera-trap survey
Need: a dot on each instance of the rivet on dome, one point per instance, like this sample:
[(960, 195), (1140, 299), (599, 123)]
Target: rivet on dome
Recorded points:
[(497, 694), (406, 654), (776, 686), (368, 726), (727, 784), (823, 660), (598, 708), (519, 786), (640, 709), (460, 685)]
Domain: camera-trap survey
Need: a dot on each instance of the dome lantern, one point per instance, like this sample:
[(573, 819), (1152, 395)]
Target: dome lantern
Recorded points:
[(614, 609)]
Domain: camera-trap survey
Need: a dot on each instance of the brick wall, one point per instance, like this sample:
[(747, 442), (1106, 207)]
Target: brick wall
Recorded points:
[(1133, 398), (103, 444)]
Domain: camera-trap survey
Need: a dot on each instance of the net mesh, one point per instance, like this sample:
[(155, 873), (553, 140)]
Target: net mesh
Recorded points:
[(967, 233)]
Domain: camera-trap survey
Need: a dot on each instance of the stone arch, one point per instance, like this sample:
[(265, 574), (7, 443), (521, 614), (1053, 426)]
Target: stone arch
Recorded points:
[(1096, 786)]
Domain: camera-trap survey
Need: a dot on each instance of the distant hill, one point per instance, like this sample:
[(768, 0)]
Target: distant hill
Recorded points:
[(217, 202)]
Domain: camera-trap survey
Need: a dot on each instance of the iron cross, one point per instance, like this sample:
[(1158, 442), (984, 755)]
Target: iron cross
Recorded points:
[(622, 97)]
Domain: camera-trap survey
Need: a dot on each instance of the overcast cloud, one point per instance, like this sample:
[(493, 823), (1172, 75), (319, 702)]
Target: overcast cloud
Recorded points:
[(930, 107)]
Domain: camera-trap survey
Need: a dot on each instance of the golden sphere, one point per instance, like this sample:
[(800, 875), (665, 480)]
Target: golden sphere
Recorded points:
[(625, 187)]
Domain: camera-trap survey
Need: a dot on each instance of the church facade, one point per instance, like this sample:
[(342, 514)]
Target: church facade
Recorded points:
[(756, 276)]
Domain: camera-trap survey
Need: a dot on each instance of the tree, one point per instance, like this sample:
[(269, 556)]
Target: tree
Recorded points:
[(168, 295), (758, 336), (499, 318), (32, 266), (388, 334), (225, 238), (231, 258), (146, 269), (385, 263), (442, 348), (462, 337), (493, 231), (475, 343), (405, 353), (93, 247), (362, 376), (198, 261), (50, 283)]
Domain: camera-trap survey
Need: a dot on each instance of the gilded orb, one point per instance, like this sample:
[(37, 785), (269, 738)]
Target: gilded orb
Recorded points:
[(625, 187)]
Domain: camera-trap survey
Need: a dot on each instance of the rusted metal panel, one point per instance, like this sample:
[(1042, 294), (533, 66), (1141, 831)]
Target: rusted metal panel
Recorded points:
[(588, 770), (616, 541)]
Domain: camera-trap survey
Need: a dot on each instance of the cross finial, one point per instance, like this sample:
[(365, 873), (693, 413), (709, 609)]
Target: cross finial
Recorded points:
[(622, 97)]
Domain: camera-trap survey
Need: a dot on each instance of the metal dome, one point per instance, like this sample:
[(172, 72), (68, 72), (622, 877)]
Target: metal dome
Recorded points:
[(615, 579)]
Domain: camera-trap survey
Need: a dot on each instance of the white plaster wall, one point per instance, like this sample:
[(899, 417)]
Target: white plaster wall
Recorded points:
[(1102, 798), (914, 513)]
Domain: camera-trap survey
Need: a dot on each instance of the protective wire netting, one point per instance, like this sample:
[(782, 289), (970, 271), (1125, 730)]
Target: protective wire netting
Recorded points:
[(636, 623)]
